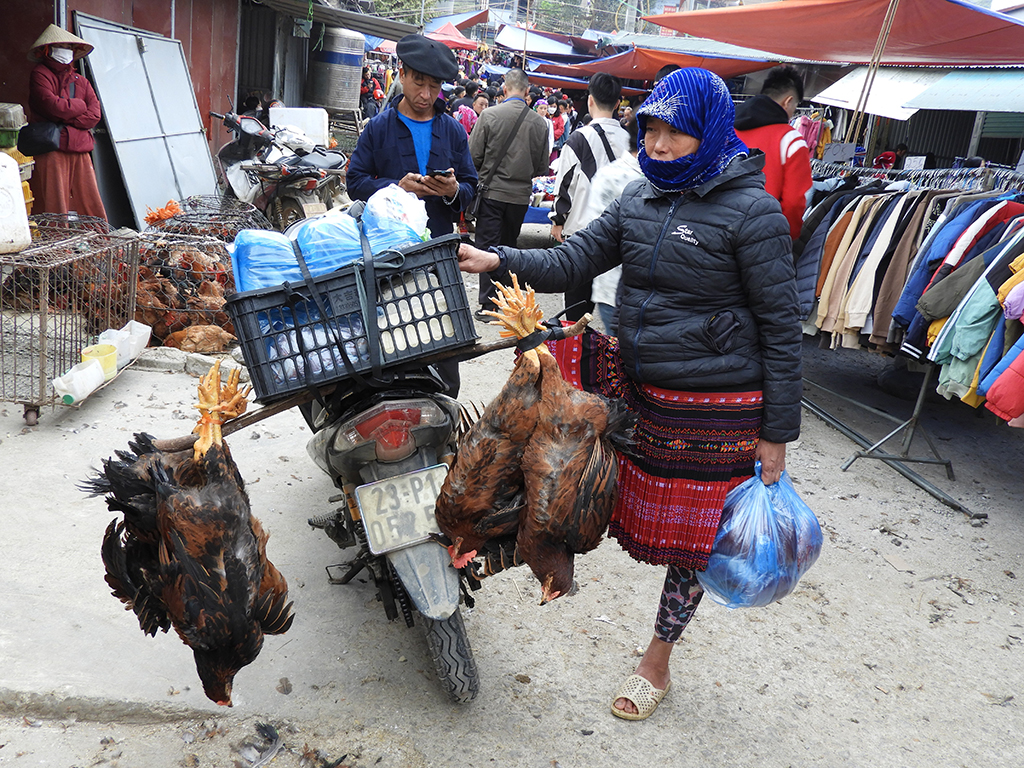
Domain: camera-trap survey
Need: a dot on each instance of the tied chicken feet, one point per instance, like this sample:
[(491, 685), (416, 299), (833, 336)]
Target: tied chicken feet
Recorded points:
[(188, 552)]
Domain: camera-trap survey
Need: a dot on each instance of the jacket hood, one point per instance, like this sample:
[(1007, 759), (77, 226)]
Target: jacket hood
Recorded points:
[(759, 112)]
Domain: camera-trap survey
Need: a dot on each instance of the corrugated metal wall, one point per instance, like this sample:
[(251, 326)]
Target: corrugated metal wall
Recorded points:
[(256, 41), (946, 134)]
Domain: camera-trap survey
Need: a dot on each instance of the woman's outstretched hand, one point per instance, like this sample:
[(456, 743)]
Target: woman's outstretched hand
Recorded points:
[(474, 260), (773, 460)]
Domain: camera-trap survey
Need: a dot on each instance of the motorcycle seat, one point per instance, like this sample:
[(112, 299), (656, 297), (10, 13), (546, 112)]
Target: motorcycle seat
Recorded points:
[(326, 160)]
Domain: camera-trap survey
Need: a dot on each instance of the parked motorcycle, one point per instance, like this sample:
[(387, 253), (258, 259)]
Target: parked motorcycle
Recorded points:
[(280, 171), (388, 448)]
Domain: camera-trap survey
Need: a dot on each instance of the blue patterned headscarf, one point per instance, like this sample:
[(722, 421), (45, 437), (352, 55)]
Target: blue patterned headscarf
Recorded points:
[(697, 103)]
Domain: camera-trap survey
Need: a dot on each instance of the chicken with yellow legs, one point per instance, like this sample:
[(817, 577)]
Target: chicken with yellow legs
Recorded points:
[(188, 552), (558, 468), (483, 494)]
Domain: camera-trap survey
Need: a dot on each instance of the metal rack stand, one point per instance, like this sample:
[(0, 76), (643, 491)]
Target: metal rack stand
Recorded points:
[(908, 426)]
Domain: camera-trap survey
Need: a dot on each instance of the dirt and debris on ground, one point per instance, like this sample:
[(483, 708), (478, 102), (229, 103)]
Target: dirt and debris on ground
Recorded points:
[(901, 647)]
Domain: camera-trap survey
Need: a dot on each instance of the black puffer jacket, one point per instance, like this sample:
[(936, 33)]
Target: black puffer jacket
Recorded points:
[(707, 297)]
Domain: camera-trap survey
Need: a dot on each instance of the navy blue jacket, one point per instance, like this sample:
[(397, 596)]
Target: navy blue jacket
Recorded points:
[(385, 153)]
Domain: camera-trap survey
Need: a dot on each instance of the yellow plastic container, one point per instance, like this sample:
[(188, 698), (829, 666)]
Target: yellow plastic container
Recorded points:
[(26, 190), (106, 354)]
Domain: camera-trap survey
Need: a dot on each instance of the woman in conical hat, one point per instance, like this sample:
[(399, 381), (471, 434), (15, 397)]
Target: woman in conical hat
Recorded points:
[(63, 180), (59, 38)]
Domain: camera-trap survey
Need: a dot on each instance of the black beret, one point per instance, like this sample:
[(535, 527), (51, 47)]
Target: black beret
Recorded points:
[(427, 56)]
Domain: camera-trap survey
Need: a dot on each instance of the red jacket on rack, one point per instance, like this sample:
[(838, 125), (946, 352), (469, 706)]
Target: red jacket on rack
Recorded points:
[(50, 100)]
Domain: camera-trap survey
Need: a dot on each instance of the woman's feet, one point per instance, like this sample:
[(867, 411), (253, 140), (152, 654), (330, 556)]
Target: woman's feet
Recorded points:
[(653, 668)]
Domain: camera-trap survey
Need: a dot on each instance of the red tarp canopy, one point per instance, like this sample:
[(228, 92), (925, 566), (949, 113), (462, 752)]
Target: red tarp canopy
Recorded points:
[(451, 37), (571, 83), (923, 31), (644, 63), (472, 21)]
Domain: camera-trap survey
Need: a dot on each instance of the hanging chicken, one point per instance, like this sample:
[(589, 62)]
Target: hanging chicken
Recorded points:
[(189, 553), (571, 468), (484, 493), (539, 463)]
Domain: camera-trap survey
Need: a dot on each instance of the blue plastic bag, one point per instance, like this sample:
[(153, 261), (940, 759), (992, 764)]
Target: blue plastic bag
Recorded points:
[(767, 539)]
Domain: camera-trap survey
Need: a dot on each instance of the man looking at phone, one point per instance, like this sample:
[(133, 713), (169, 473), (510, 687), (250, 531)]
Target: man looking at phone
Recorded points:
[(508, 153), (417, 145)]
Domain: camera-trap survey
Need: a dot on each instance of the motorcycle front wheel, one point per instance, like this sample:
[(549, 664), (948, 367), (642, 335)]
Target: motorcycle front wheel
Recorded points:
[(453, 657)]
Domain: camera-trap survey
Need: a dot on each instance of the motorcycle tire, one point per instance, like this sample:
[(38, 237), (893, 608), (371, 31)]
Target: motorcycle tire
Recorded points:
[(453, 657)]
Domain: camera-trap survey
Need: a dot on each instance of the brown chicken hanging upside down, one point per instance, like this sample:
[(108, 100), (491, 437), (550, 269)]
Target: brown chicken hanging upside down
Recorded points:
[(539, 463), (189, 553)]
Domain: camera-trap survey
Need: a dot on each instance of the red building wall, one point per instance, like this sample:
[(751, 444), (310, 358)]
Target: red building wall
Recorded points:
[(207, 29)]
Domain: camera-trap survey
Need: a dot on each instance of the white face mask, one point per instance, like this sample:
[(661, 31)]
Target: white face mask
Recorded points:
[(552, 109), (63, 55)]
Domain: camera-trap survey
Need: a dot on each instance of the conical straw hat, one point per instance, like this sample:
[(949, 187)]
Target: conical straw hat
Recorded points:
[(54, 35)]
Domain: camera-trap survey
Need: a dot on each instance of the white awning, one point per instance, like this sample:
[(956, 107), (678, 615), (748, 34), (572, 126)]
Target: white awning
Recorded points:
[(975, 90), (890, 91)]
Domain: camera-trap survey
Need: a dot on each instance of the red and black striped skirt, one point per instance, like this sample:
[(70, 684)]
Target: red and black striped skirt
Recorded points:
[(691, 449)]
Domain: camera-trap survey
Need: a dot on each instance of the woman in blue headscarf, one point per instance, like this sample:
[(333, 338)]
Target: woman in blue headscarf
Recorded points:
[(708, 347)]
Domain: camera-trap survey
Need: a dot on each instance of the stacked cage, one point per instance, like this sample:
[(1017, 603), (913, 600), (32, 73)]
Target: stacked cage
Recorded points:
[(76, 280), (212, 216), (182, 283), (185, 272)]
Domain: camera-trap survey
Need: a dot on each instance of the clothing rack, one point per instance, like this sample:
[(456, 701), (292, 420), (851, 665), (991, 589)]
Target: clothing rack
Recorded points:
[(967, 179), (873, 450)]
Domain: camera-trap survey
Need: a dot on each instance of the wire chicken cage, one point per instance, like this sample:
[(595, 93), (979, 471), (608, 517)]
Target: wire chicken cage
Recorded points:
[(75, 281), (182, 283), (212, 216)]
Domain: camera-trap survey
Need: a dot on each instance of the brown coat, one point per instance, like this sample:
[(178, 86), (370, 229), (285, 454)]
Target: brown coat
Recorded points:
[(526, 157)]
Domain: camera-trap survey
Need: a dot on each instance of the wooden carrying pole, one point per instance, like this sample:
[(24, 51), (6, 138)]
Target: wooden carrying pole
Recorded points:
[(869, 79), (184, 442)]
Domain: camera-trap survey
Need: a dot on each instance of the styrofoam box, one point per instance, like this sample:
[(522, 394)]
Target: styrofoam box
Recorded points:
[(310, 120)]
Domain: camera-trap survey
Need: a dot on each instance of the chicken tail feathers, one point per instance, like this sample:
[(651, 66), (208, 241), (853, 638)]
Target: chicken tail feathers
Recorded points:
[(621, 425), (274, 613), (148, 609)]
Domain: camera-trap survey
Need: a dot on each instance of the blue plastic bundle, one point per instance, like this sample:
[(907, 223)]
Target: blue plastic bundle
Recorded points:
[(767, 539), (329, 241)]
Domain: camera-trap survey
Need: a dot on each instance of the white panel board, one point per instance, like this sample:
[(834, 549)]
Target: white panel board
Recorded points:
[(150, 110)]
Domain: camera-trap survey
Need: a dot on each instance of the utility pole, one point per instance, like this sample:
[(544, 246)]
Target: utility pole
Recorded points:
[(526, 33)]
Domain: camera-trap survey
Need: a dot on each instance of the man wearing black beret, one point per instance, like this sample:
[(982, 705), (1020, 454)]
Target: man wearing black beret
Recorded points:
[(413, 137), (415, 144)]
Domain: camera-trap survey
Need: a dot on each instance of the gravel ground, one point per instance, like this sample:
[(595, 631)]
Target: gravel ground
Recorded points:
[(901, 647)]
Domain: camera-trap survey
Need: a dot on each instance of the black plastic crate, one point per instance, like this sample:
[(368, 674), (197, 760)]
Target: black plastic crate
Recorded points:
[(421, 308)]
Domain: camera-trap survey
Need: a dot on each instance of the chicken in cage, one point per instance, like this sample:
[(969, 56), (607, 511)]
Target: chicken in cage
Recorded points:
[(182, 283), (55, 298), (207, 216)]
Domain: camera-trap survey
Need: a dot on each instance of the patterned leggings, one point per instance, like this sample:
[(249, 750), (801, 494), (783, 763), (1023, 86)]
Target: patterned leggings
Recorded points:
[(680, 597)]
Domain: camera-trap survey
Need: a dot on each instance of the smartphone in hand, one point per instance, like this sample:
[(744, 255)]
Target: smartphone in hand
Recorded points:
[(435, 172)]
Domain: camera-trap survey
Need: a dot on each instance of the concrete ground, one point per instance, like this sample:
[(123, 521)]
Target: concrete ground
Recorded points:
[(901, 647)]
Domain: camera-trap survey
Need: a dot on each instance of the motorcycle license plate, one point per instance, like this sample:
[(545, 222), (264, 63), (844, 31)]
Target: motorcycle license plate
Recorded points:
[(399, 511)]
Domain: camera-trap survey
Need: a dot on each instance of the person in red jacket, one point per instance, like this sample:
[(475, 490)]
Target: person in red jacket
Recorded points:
[(64, 180), (763, 123)]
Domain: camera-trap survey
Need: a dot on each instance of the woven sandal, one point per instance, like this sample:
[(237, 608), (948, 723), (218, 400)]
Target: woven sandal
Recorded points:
[(643, 694)]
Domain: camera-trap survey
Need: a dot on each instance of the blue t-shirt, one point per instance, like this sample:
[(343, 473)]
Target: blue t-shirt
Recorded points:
[(422, 133)]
